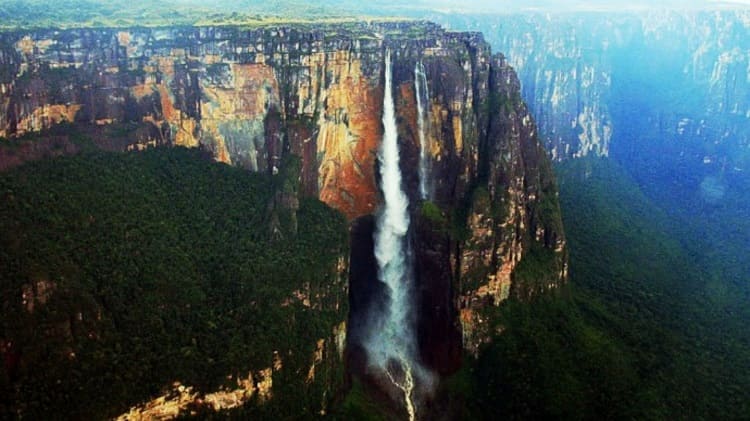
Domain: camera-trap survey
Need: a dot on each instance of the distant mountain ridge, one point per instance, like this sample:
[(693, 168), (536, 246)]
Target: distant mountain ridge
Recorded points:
[(611, 83)]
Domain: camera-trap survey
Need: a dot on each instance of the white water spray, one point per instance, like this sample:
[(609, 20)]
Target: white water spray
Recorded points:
[(390, 345), (422, 93)]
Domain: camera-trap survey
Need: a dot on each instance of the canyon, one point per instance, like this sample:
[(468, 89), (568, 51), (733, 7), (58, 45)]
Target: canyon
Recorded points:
[(616, 83), (481, 191)]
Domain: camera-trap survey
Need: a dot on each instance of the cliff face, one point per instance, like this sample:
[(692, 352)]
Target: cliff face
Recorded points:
[(251, 97), (247, 96), (566, 82), (513, 213), (600, 83)]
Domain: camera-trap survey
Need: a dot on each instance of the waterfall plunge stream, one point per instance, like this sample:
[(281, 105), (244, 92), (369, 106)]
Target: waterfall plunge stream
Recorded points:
[(391, 344), (423, 98)]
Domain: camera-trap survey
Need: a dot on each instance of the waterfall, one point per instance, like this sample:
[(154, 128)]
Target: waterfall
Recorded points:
[(391, 344), (423, 98)]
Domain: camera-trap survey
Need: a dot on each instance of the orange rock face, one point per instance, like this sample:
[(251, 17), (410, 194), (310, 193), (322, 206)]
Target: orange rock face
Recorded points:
[(338, 154), (47, 116), (338, 100), (349, 132)]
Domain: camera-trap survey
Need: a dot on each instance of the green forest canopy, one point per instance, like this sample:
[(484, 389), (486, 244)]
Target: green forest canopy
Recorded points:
[(162, 268)]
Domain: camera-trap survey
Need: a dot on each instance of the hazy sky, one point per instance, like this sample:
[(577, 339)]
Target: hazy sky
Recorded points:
[(483, 5), (506, 5), (411, 8)]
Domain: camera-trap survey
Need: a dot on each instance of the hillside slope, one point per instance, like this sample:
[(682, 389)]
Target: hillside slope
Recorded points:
[(122, 274)]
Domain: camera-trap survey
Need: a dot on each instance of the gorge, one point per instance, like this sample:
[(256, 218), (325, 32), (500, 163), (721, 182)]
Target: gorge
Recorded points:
[(303, 209), (461, 187)]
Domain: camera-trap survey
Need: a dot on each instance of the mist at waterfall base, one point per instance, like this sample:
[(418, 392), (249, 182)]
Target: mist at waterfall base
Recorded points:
[(390, 341)]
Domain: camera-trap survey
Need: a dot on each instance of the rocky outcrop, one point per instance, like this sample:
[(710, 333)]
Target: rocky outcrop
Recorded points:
[(512, 210)]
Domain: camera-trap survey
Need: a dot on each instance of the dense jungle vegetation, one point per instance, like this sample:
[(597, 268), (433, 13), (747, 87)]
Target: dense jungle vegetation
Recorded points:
[(645, 329), (121, 273)]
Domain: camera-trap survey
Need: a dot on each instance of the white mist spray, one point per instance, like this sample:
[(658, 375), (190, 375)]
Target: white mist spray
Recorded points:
[(390, 345), (422, 93)]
